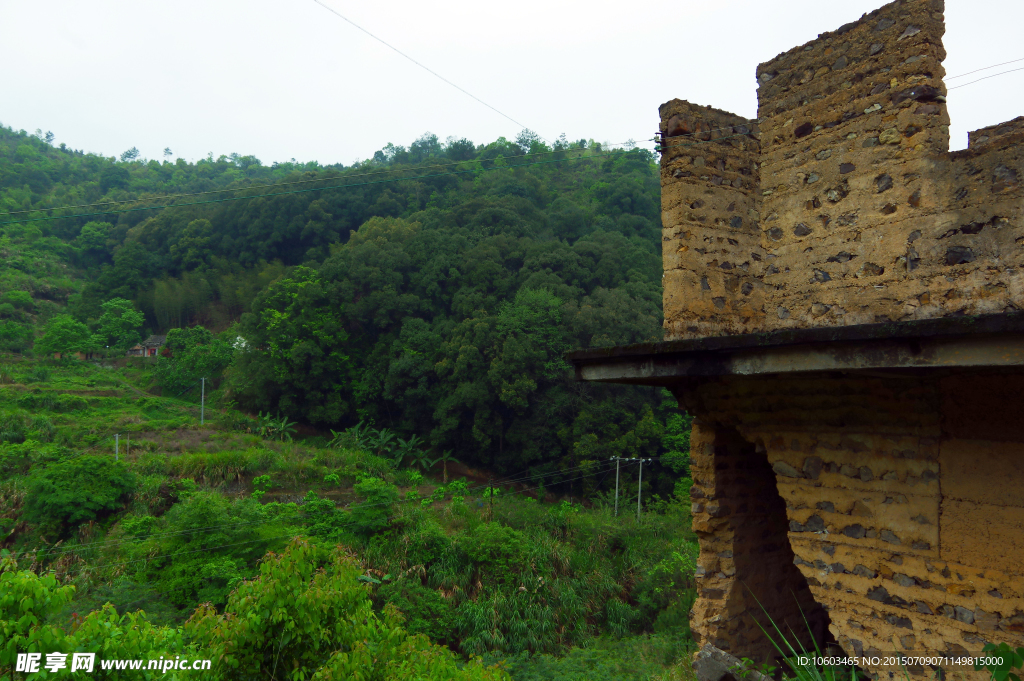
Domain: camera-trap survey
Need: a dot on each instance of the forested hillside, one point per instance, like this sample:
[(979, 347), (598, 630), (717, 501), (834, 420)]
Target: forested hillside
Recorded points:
[(431, 290), (378, 342)]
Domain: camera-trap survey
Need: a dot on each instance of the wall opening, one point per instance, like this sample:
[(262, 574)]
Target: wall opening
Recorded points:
[(746, 567)]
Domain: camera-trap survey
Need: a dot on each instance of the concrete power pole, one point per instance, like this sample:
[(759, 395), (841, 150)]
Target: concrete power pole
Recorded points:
[(640, 481), (616, 486)]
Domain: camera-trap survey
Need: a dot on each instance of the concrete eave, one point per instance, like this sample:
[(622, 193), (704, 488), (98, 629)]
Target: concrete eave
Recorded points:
[(951, 342)]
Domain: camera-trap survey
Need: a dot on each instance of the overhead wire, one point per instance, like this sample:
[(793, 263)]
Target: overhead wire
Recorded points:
[(986, 68), (425, 68), (106, 544), (985, 78), (262, 539)]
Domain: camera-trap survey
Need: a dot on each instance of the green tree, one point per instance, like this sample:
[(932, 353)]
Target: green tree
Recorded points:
[(294, 352), (374, 513), (192, 248), (65, 494), (119, 325), (195, 353), (308, 617), (63, 334), (92, 243)]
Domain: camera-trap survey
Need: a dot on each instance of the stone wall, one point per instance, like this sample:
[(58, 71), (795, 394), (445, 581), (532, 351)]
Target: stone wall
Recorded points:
[(903, 499), (746, 567), (892, 501), (711, 243), (857, 211)]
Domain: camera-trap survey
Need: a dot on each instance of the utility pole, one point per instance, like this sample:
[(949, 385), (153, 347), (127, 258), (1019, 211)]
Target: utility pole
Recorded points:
[(116, 443), (640, 481), (617, 459), (202, 402)]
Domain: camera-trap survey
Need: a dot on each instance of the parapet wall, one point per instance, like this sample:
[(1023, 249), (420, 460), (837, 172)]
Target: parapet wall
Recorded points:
[(860, 214), (711, 243)]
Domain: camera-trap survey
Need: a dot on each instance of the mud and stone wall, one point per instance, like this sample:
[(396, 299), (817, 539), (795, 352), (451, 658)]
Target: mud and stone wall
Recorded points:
[(886, 507), (854, 209), (711, 243), (746, 568), (902, 496)]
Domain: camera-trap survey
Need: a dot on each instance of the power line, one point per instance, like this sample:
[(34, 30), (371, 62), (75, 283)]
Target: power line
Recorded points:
[(260, 539), (1012, 61), (985, 78), (431, 71), (107, 544), (341, 186)]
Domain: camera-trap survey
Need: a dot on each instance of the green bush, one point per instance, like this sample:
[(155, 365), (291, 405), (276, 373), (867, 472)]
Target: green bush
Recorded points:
[(498, 552), (15, 337), (323, 519), (12, 428), (19, 299), (427, 543), (374, 513), (204, 545), (426, 611), (639, 658), (62, 403), (66, 494)]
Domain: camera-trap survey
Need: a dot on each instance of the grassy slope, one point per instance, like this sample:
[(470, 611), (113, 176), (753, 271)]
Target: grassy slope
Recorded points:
[(594, 595)]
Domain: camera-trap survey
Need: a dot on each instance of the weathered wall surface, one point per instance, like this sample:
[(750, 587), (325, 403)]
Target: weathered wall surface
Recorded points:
[(863, 214), (711, 243), (902, 496), (842, 205), (746, 566)]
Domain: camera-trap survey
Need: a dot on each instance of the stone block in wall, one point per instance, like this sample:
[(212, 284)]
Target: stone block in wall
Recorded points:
[(712, 664)]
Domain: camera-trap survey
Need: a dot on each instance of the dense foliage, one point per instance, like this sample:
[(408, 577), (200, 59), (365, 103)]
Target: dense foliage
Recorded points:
[(417, 307), (304, 617), (192, 516), (431, 291)]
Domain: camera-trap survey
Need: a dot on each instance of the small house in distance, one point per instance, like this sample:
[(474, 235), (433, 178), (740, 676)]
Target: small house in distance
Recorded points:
[(147, 348)]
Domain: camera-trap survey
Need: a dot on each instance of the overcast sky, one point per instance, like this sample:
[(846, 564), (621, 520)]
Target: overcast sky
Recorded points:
[(285, 79)]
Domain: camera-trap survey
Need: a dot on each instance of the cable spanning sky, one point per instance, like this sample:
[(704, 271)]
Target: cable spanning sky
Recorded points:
[(290, 79)]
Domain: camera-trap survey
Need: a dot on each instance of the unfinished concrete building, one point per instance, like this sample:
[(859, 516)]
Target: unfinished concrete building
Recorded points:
[(841, 298)]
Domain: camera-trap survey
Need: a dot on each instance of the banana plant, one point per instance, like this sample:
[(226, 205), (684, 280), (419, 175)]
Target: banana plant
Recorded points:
[(410, 447), (445, 458)]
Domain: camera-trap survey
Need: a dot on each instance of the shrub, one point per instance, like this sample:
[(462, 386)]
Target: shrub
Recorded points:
[(75, 491), (308, 608), (373, 514), (426, 611), (498, 552), (15, 337), (427, 543)]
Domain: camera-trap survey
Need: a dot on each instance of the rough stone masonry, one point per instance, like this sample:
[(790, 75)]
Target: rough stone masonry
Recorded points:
[(842, 204), (841, 296)]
